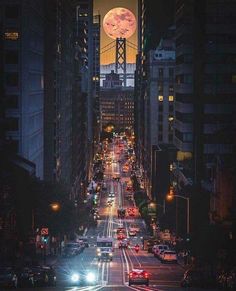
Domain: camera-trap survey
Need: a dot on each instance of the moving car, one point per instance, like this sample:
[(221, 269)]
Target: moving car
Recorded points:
[(105, 254), (111, 194), (132, 232), (124, 244), (138, 277), (72, 249), (8, 277), (88, 277), (134, 227), (168, 256)]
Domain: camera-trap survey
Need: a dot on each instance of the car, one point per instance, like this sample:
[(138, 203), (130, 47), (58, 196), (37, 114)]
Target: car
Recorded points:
[(85, 277), (44, 276), (138, 277), (168, 256), (8, 277), (121, 236), (124, 244), (72, 249), (120, 230), (132, 232), (134, 227), (159, 248), (25, 277), (111, 195)]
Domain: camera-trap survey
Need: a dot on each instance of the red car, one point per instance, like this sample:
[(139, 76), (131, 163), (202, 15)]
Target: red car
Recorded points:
[(138, 277), (121, 236)]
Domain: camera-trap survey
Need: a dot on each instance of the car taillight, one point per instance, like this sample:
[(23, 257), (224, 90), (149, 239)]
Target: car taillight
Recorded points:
[(131, 274), (145, 275)]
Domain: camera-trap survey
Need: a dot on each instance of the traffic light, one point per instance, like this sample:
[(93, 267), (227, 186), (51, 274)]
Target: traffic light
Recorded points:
[(45, 239)]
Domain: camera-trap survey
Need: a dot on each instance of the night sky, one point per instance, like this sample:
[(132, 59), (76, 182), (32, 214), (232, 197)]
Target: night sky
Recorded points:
[(161, 17)]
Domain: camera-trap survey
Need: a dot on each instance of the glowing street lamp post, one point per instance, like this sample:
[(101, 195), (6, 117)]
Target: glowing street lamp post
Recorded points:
[(171, 196)]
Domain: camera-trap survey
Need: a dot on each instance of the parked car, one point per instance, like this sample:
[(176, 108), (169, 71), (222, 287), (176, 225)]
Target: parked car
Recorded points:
[(138, 277), (8, 277), (159, 248), (168, 257), (25, 277), (44, 276)]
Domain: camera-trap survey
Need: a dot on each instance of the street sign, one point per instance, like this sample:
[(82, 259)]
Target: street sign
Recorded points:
[(44, 231)]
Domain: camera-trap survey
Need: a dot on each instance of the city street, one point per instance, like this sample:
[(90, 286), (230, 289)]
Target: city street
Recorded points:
[(114, 275)]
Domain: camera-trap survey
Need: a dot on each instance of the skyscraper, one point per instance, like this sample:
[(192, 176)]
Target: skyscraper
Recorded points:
[(205, 104), (23, 87)]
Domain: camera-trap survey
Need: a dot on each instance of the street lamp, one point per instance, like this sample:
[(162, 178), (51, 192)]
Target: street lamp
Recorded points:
[(170, 197), (55, 206)]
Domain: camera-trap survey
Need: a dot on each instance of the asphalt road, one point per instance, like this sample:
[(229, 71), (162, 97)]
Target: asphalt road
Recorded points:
[(113, 275)]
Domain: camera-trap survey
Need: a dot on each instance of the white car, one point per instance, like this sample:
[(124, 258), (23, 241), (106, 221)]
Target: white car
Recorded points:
[(132, 232), (134, 227), (111, 194), (158, 249), (168, 256)]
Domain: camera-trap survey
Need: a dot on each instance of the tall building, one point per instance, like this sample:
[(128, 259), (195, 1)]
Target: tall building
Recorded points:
[(154, 17), (23, 86), (160, 109), (205, 106), (59, 81), (96, 74), (116, 103), (85, 34)]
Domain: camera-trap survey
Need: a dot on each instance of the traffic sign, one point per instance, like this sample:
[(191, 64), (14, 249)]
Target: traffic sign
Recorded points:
[(44, 231)]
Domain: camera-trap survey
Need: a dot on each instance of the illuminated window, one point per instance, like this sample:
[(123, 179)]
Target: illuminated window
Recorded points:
[(160, 98), (233, 78), (171, 118), (171, 98), (13, 35)]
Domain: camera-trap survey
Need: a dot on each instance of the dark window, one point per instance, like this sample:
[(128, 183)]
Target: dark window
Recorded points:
[(12, 101), (171, 72), (12, 124), (160, 117), (160, 127), (171, 88), (170, 137), (12, 11), (171, 108), (161, 72), (160, 107), (14, 146), (11, 57), (12, 79), (160, 137)]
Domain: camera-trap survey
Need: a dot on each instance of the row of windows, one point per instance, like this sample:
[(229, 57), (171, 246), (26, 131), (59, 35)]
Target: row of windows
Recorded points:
[(160, 137), (161, 72), (160, 88), (161, 98)]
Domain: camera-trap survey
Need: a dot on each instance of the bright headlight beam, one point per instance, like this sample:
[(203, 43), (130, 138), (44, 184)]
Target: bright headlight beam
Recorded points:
[(90, 277), (75, 277)]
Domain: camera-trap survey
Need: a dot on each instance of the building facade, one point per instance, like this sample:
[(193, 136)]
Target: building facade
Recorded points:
[(205, 105), (23, 86), (116, 103)]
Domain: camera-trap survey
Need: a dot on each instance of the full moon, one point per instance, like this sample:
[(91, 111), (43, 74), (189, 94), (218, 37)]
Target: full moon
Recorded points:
[(119, 23)]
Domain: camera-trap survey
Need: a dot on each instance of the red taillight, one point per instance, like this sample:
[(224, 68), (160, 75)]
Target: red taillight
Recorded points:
[(145, 275), (131, 274)]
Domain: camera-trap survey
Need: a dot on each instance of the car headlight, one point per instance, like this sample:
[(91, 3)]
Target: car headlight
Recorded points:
[(99, 254), (110, 254), (98, 250), (75, 277), (90, 277)]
